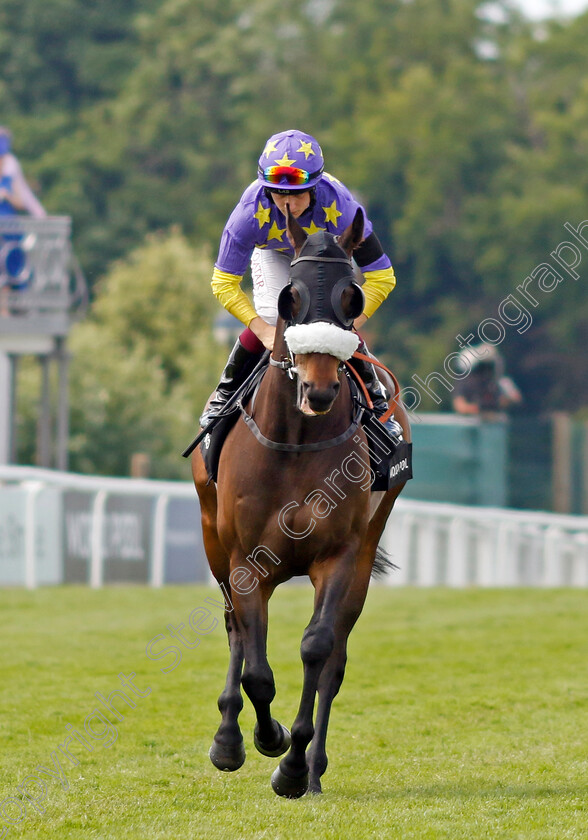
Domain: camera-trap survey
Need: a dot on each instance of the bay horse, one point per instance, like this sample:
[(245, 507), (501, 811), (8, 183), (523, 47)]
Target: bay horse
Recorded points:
[(292, 497)]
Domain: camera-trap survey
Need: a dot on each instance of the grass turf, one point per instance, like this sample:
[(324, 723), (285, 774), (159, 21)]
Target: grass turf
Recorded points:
[(464, 714)]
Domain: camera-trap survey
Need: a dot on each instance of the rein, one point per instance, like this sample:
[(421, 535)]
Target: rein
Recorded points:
[(371, 360), (287, 365), (302, 447)]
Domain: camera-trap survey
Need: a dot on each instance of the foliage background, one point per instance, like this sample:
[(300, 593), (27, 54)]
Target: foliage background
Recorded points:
[(462, 126)]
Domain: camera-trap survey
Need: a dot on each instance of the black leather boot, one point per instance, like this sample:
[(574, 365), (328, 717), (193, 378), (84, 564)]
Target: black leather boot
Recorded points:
[(239, 365), (377, 393)]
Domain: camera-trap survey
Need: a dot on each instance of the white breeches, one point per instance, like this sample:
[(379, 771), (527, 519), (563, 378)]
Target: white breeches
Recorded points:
[(269, 272)]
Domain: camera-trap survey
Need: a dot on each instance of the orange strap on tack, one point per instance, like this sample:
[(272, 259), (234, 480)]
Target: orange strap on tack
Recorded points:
[(361, 384), (393, 401)]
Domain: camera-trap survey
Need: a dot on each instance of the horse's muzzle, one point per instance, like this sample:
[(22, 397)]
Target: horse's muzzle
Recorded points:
[(318, 400)]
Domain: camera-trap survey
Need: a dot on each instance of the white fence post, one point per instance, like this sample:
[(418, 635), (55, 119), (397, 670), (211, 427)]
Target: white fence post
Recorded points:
[(580, 561), (97, 540), (158, 557), (397, 542), (30, 536), (426, 553), (552, 572)]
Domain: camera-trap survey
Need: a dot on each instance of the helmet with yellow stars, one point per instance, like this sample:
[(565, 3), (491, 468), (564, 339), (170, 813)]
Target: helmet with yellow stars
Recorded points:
[(291, 161)]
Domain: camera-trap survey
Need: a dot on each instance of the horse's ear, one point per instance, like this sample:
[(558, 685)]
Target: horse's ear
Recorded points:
[(296, 234), (352, 236)]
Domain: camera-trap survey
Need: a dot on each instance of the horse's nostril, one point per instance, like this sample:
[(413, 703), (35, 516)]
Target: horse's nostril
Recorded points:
[(321, 399)]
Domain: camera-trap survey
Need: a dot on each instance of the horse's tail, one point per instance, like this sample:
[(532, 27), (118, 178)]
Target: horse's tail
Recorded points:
[(382, 564)]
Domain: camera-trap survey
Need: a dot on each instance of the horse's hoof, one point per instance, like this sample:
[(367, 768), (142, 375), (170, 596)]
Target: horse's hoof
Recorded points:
[(287, 786), (279, 746), (227, 758), (315, 786)]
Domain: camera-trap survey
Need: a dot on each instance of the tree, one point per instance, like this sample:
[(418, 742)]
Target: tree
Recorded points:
[(62, 54), (461, 129)]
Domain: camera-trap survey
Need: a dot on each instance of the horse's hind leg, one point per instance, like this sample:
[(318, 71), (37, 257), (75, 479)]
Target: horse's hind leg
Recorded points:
[(227, 751)]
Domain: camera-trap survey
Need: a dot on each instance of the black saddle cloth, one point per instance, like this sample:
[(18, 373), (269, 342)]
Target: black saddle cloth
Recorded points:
[(390, 459), (212, 443)]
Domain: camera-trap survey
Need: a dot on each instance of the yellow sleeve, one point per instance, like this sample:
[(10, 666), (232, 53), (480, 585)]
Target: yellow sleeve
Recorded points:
[(376, 288), (227, 289)]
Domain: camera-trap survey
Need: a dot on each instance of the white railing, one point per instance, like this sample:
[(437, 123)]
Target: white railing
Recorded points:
[(60, 527), (450, 545)]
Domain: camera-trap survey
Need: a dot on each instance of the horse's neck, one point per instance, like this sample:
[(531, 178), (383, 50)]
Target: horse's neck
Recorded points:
[(276, 413), (276, 398)]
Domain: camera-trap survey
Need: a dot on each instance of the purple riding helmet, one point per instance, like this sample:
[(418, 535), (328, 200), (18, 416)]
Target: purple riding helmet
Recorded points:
[(291, 161)]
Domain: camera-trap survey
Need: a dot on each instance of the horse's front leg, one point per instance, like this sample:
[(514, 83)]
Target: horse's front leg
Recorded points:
[(331, 580), (332, 675), (270, 737), (328, 688), (228, 751)]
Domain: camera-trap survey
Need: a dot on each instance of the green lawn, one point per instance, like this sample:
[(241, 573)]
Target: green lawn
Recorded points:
[(464, 714)]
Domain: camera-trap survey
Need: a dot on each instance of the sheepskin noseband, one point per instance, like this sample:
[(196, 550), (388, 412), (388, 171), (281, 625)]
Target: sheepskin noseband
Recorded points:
[(321, 337)]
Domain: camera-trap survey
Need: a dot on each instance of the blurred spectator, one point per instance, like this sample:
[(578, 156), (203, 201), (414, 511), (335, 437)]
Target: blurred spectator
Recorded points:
[(15, 194), (486, 390)]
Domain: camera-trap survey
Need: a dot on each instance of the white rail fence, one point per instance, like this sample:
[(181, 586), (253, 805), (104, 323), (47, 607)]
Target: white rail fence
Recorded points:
[(64, 528), (442, 544)]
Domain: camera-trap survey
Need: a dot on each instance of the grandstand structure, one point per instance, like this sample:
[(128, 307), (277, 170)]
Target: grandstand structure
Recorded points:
[(42, 291)]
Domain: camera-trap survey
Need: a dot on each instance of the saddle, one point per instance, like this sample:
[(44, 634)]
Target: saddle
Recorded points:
[(390, 460)]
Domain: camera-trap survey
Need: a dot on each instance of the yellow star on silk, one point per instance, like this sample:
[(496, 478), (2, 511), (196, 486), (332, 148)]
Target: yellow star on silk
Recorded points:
[(262, 215), (275, 233), (306, 148), (285, 161), (312, 228), (331, 213), (331, 178), (270, 147)]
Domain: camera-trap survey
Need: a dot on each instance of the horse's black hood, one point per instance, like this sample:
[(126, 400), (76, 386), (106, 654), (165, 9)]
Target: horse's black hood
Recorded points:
[(322, 275)]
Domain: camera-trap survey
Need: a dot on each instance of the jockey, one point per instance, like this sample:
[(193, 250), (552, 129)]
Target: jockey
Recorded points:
[(290, 171)]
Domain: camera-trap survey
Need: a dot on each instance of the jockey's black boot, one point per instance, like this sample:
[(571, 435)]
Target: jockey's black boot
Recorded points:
[(377, 394), (239, 365)]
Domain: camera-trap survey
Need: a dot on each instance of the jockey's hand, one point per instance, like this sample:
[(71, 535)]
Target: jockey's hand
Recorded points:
[(359, 321), (264, 331)]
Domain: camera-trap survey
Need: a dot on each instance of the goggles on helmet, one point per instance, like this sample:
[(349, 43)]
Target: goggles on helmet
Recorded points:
[(287, 175)]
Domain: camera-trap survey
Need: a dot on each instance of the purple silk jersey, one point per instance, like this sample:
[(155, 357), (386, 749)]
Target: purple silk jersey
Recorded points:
[(256, 222)]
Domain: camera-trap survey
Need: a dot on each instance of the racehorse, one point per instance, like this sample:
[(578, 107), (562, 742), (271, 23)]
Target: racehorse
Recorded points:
[(292, 497)]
